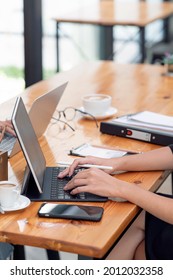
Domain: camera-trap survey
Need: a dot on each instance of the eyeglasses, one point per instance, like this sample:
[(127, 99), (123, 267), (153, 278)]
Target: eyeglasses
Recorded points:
[(69, 113)]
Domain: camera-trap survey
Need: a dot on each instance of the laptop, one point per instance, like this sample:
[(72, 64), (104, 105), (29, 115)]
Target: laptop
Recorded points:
[(40, 182), (40, 115)]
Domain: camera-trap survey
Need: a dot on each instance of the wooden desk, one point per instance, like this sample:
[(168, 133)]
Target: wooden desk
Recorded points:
[(133, 88), (107, 14)]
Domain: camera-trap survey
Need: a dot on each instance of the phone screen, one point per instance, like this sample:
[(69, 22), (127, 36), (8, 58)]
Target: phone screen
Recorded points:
[(68, 211)]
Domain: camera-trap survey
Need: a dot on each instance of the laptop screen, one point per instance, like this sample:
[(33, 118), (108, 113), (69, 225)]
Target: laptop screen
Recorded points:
[(28, 142), (44, 107)]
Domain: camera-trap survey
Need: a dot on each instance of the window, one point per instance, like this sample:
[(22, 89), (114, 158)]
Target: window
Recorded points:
[(77, 41), (11, 49)]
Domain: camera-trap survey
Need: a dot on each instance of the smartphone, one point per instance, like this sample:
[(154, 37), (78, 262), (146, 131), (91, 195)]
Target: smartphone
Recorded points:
[(71, 211)]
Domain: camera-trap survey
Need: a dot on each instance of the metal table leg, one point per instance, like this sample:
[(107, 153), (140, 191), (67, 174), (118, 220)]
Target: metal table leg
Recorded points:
[(106, 42)]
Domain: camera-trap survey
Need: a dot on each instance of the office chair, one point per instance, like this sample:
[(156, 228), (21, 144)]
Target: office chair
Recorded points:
[(6, 251)]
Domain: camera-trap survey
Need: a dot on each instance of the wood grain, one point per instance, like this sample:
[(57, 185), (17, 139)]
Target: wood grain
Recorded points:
[(133, 88)]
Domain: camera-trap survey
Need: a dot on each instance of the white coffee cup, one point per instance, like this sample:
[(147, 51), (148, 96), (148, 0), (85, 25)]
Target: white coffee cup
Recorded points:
[(96, 104), (9, 194)]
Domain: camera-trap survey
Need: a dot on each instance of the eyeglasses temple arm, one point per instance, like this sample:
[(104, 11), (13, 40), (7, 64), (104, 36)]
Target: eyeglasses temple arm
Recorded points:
[(58, 120), (86, 113)]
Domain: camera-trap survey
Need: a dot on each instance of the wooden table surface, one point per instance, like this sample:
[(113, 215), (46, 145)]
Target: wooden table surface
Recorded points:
[(117, 12), (133, 88)]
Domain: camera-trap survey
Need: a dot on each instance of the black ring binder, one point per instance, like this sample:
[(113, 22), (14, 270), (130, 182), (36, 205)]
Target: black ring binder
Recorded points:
[(132, 132)]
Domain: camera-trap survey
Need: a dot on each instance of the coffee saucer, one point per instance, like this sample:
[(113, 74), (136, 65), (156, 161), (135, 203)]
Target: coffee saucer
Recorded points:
[(22, 203), (108, 114)]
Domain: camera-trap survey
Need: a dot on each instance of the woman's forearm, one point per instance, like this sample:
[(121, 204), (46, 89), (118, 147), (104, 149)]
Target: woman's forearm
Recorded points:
[(159, 159), (157, 205)]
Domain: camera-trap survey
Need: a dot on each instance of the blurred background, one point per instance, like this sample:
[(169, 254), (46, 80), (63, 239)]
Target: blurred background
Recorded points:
[(77, 42)]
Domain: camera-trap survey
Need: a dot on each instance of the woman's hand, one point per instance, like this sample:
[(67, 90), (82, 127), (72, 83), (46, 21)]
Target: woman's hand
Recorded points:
[(7, 127), (87, 160), (94, 180)]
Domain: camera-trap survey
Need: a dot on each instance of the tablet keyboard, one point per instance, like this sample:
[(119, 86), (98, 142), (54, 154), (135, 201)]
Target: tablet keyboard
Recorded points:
[(57, 186)]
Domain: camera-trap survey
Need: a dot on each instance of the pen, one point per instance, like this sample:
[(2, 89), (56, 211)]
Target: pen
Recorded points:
[(65, 163)]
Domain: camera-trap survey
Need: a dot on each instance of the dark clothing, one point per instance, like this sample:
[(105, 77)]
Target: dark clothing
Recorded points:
[(159, 236), (171, 147)]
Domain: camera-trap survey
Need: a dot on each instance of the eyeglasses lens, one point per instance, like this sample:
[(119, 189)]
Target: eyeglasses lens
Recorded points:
[(69, 114)]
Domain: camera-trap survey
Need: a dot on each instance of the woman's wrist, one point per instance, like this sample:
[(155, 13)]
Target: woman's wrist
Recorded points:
[(127, 190), (119, 164)]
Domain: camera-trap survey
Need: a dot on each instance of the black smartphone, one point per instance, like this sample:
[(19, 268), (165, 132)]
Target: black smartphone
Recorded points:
[(71, 211)]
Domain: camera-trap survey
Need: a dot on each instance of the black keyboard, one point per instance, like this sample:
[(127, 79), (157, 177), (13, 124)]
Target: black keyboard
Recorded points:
[(57, 187)]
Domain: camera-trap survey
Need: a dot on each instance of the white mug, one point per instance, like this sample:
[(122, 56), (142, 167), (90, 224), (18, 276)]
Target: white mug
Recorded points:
[(9, 194), (96, 104)]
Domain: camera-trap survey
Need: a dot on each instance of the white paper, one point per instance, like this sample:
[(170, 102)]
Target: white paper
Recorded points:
[(149, 120), (153, 118)]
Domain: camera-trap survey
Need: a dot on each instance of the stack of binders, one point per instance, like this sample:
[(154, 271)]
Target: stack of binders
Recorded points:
[(144, 126)]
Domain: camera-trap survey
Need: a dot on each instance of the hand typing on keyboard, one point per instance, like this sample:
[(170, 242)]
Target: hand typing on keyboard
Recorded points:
[(2, 131), (6, 126), (69, 177)]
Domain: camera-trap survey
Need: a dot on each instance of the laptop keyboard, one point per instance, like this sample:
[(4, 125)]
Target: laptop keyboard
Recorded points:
[(7, 142), (57, 191)]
